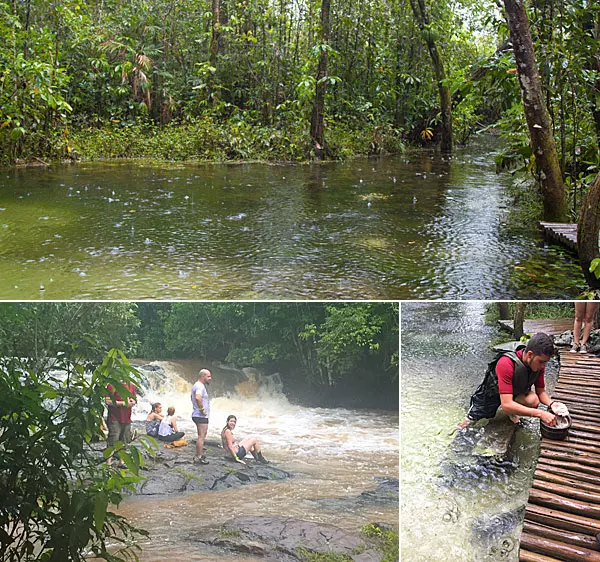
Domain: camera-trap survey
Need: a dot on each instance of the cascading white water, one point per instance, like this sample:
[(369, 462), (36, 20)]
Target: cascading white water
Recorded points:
[(333, 453)]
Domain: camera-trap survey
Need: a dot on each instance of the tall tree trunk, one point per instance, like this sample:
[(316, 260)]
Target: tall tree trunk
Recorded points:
[(536, 113), (422, 19), (214, 47), (595, 66), (503, 311), (588, 231), (519, 320), (317, 121)]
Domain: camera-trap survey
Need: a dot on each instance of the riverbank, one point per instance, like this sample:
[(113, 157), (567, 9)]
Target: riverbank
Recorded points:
[(205, 139)]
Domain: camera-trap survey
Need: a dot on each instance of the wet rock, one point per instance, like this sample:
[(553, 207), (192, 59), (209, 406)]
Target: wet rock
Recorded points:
[(367, 556), (286, 539), (496, 535), (173, 471), (566, 339), (480, 455), (386, 493)]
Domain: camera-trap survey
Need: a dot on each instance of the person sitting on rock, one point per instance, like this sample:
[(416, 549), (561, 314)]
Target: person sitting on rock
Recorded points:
[(238, 449), (167, 431), (153, 419)]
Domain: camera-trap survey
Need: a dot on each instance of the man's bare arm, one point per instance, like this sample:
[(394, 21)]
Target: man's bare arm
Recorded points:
[(511, 407)]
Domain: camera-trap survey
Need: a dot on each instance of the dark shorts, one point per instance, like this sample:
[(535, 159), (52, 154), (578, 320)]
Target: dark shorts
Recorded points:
[(241, 452), (175, 436), (198, 421)]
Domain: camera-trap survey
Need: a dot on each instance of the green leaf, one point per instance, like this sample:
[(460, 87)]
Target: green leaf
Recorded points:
[(100, 506)]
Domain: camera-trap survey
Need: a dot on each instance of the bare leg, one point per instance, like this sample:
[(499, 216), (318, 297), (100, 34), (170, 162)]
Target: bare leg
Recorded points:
[(251, 444), (530, 400), (579, 316), (590, 313), (202, 431)]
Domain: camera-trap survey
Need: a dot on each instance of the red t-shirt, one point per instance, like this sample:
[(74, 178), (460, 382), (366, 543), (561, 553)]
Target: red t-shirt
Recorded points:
[(505, 369), (121, 414)]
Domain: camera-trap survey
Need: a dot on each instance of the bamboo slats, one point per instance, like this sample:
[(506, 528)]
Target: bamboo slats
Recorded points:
[(550, 326), (562, 518), (564, 234)]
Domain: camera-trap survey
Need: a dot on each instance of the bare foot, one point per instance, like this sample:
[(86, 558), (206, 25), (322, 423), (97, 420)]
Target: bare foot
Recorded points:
[(514, 418), (465, 423)]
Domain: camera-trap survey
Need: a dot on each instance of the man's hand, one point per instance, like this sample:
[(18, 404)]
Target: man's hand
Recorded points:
[(548, 418), (240, 461)]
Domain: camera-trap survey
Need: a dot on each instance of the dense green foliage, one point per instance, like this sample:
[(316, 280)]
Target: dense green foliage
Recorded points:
[(136, 78), (41, 330), (56, 489), (333, 352), (105, 78), (533, 310), (333, 349)]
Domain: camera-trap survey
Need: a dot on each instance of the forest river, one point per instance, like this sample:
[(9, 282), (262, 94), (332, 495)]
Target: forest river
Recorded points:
[(333, 453), (411, 226), (455, 507)]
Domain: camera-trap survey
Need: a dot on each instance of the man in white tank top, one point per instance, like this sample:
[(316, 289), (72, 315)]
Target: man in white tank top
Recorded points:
[(201, 412)]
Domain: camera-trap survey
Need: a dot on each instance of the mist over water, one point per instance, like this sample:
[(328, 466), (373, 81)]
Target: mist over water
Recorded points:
[(333, 453), (445, 351)]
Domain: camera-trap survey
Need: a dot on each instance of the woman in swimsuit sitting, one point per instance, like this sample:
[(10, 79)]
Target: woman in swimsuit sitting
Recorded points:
[(238, 449), (153, 419)]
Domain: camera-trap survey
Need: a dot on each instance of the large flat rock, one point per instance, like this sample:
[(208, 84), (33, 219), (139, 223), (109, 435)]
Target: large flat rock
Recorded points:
[(285, 539)]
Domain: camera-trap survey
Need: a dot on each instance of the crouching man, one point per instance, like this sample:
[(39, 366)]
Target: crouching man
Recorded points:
[(508, 381)]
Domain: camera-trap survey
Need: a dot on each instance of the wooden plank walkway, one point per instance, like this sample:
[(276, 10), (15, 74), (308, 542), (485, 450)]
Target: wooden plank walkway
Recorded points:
[(564, 234), (562, 518), (550, 326)]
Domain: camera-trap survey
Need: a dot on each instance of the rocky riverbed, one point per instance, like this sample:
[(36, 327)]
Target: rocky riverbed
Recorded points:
[(271, 538), (173, 471)]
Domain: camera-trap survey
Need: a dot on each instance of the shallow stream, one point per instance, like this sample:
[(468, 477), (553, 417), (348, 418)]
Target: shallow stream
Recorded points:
[(412, 226), (454, 507)]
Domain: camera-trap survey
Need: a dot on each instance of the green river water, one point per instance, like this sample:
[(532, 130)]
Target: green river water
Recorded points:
[(413, 226)]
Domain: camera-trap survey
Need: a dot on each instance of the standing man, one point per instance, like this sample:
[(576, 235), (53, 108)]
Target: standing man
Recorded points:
[(201, 412), (508, 381), (119, 415)]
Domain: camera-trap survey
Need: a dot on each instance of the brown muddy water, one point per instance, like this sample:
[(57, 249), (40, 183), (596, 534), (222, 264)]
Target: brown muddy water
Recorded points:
[(333, 453)]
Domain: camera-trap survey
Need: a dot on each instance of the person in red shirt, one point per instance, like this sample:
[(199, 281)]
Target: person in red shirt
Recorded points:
[(508, 383), (119, 415)]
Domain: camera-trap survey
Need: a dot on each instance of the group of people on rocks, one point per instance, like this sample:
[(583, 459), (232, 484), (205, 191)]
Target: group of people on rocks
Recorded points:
[(164, 427)]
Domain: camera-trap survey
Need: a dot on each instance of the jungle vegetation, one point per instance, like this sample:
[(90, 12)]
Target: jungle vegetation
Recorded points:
[(234, 80), (331, 353), (289, 80)]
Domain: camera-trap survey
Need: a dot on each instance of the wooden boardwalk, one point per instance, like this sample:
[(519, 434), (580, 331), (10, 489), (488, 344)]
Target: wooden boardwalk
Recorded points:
[(564, 234), (562, 518), (550, 326)]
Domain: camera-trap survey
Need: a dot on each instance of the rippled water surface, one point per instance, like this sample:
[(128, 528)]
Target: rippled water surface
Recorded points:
[(415, 226), (475, 516)]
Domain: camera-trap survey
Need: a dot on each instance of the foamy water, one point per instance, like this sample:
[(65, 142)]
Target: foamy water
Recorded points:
[(334, 454), (286, 429)]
